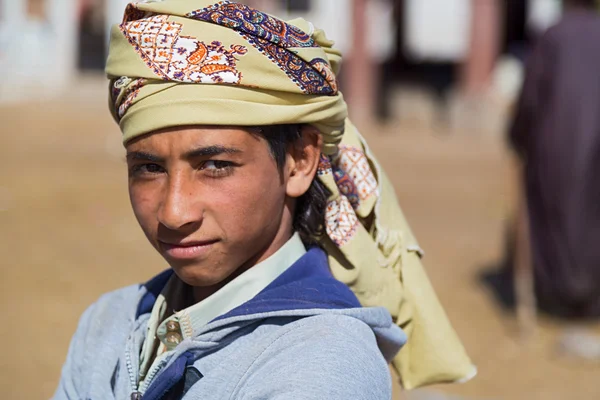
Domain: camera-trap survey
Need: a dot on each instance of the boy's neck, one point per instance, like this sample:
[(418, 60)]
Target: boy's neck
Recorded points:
[(203, 292)]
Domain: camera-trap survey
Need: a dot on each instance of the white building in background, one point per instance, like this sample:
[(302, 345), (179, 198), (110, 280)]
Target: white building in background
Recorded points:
[(38, 53), (437, 30)]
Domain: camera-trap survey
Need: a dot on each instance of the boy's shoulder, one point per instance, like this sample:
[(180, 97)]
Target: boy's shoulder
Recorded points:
[(110, 312), (118, 302), (131, 301), (330, 355)]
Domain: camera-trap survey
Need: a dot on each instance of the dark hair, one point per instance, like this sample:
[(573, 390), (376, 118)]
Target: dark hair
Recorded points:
[(309, 214)]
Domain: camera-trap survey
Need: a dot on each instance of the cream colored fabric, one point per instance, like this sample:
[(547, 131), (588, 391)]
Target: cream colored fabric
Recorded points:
[(186, 62), (381, 263), (153, 82)]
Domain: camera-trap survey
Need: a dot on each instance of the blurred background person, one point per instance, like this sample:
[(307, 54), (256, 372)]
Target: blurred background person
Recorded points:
[(556, 132)]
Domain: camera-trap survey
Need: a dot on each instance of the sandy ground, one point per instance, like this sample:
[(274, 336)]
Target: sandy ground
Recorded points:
[(67, 235)]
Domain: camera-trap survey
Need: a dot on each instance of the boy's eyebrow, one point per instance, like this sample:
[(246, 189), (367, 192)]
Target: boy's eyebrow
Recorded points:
[(199, 152), (140, 155), (208, 151)]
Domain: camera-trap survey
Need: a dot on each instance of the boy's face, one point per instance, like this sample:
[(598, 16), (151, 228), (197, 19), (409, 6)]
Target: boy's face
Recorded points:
[(211, 200)]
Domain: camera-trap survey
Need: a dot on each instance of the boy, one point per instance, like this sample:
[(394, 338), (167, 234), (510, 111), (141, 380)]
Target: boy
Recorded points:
[(240, 178)]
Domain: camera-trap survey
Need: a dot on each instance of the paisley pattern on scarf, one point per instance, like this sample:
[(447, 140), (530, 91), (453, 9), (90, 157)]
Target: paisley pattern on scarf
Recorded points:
[(255, 23), (124, 93), (346, 186), (352, 162), (324, 166), (274, 38), (299, 71), (341, 221), (174, 57), (117, 86), (355, 181)]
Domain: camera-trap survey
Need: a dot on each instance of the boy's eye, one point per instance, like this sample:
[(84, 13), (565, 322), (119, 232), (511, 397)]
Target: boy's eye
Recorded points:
[(152, 168), (215, 164), (147, 169), (216, 168)]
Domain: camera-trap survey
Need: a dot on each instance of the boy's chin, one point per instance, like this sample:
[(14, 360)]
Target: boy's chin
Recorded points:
[(199, 275)]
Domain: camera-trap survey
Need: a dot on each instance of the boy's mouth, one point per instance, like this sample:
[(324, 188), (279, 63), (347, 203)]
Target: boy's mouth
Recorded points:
[(187, 249)]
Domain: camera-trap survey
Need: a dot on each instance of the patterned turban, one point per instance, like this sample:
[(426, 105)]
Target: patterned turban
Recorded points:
[(191, 62)]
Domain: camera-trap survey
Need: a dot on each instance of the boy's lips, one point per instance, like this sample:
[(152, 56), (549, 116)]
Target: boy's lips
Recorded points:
[(186, 250)]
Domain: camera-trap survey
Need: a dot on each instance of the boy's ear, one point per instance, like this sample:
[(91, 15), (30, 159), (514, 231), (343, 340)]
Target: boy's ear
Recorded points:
[(302, 161)]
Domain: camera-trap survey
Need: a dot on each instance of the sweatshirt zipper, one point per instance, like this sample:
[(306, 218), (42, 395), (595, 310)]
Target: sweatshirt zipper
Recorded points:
[(135, 394), (138, 390), (151, 374)]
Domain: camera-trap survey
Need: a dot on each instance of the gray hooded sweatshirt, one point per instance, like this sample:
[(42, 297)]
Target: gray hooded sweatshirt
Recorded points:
[(304, 336)]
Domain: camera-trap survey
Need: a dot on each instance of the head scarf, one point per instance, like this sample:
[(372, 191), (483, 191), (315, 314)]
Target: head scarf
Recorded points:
[(193, 62)]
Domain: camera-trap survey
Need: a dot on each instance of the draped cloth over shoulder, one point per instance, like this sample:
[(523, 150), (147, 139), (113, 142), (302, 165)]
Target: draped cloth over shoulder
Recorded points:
[(185, 62)]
